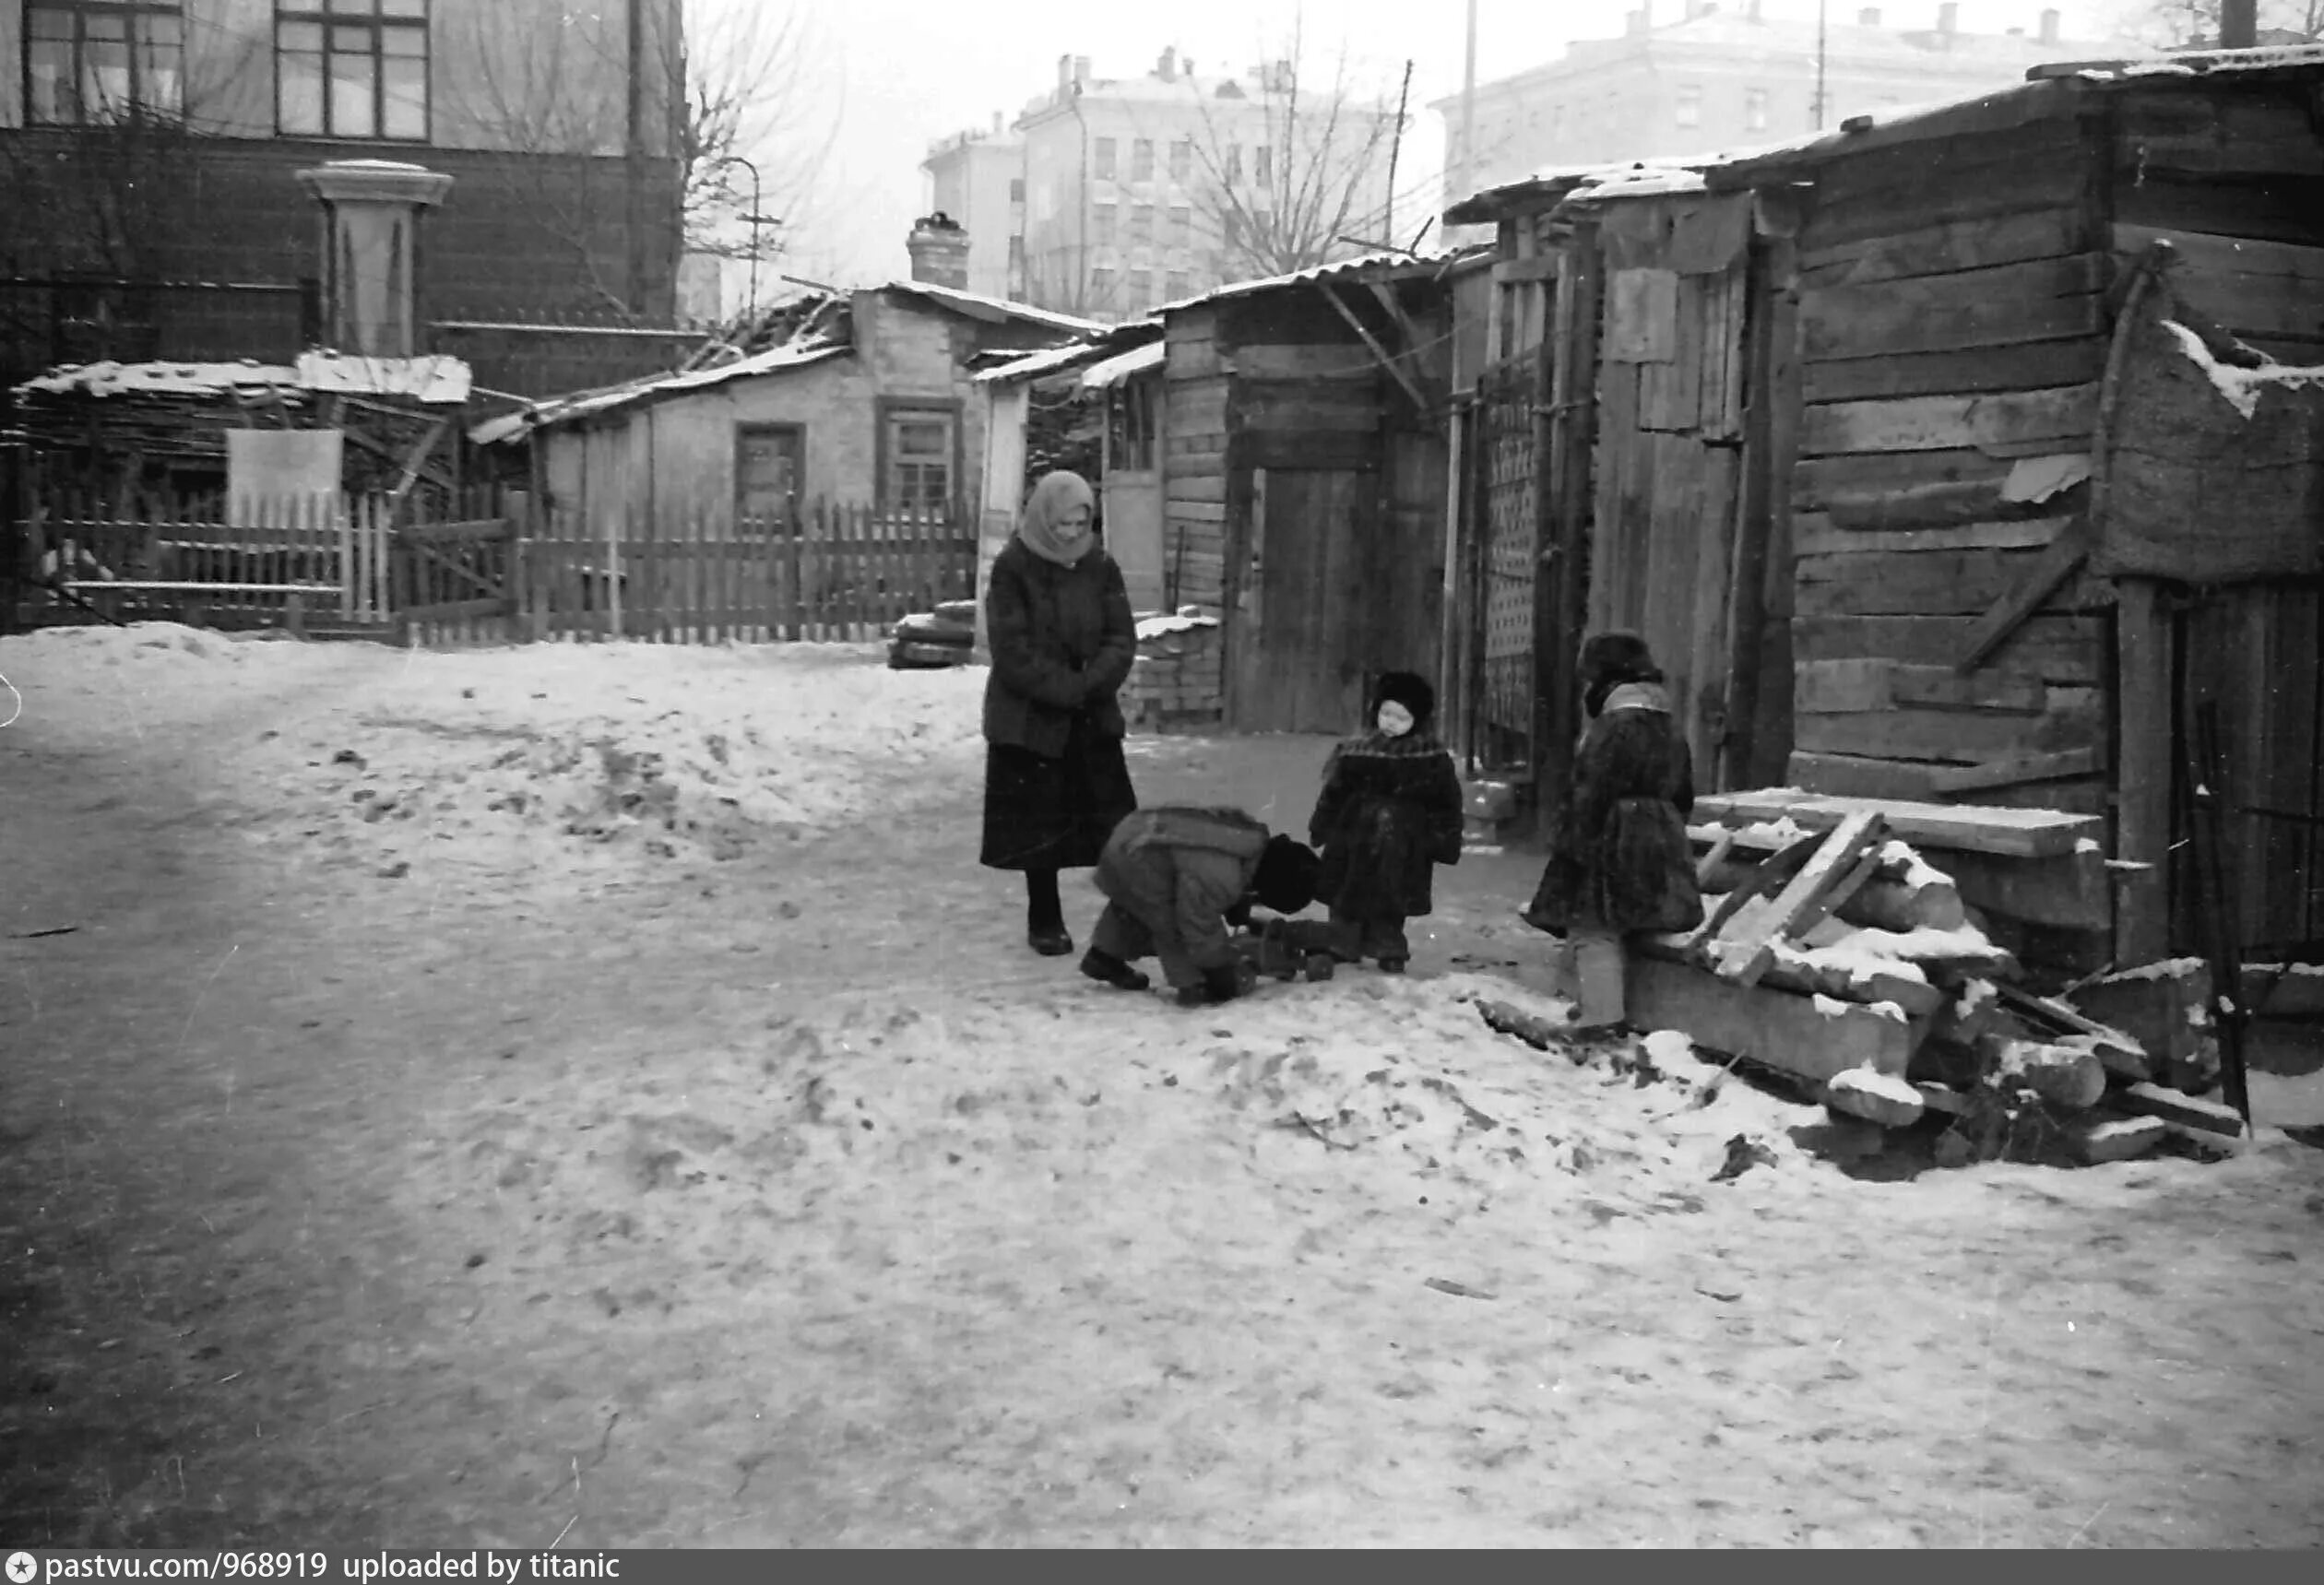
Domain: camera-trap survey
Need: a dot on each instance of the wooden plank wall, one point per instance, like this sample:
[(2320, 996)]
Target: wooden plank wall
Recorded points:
[(2233, 176), (1195, 471), (1951, 338)]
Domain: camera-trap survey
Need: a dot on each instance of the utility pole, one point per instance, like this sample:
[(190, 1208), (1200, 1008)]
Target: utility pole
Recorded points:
[(1469, 114), (1822, 6), (2238, 24), (1396, 145)]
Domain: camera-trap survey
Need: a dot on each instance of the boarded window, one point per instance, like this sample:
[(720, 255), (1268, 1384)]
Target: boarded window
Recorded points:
[(1643, 324)]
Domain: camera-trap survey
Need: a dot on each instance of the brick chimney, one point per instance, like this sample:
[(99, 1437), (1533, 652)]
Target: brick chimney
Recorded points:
[(939, 251), (2049, 27), (371, 210), (1166, 67)]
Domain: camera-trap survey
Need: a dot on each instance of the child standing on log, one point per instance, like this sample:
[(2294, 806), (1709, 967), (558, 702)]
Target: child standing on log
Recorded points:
[(1619, 860), (1389, 813)]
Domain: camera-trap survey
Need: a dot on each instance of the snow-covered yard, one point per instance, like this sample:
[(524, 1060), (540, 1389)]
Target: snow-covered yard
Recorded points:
[(593, 1092)]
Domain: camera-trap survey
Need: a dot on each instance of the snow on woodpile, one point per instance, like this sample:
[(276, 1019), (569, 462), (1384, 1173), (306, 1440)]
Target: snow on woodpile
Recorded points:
[(2242, 387)]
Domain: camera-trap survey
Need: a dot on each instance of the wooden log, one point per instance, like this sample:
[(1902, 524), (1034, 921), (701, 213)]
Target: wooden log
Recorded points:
[(2027, 833), (2066, 1076), (1744, 957), (2051, 414), (1883, 1098), (1942, 1098), (1769, 875), (2176, 1106), (2066, 891), (2118, 1140), (2165, 1009), (1809, 1037), (1854, 980), (1879, 904)]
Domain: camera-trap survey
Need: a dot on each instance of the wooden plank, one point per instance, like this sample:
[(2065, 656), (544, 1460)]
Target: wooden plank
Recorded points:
[(2062, 649), (1813, 534), (2120, 1138), (2176, 1106), (1743, 957), (1808, 1037), (2021, 770), (2019, 366), (1926, 583), (2040, 581), (2063, 414), (2031, 834), (2069, 891), (1853, 776), (1833, 686), (1919, 489), (2075, 718), (2283, 209), (2035, 302), (1263, 362), (2033, 184), (1948, 248)]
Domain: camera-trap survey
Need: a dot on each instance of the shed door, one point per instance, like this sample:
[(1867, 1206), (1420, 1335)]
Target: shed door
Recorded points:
[(1307, 594), (767, 463)]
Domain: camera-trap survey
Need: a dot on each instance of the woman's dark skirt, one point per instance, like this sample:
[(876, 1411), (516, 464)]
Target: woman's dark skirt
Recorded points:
[(1041, 813)]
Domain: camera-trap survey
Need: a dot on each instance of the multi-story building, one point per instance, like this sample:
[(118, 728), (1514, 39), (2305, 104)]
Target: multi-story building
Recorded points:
[(977, 178), (148, 152), (1732, 77), (1137, 191)]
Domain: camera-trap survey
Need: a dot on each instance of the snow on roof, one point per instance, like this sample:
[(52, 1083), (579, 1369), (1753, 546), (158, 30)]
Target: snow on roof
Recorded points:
[(2192, 63), (560, 411), (162, 379), (983, 306), (1633, 178), (440, 379), (1072, 354), (1383, 263), (1121, 365)]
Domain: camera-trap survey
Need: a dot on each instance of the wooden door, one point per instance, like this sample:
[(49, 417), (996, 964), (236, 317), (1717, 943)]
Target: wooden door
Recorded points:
[(768, 461), (1303, 601)]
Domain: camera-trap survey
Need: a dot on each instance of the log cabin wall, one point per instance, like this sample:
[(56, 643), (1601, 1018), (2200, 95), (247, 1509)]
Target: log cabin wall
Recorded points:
[(1194, 466), (1952, 339)]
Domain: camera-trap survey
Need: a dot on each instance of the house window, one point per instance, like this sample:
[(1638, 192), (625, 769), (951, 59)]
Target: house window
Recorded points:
[(88, 60), (1180, 285), (1141, 289), (917, 444), (1690, 105), (1017, 189), (1142, 160), (1101, 286), (1182, 160), (1181, 225), (1755, 110), (1263, 166), (1142, 223), (1102, 226), (351, 68), (1105, 157)]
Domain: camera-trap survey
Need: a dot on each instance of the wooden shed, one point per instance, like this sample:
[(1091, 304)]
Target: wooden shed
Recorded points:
[(1304, 479), (2010, 580)]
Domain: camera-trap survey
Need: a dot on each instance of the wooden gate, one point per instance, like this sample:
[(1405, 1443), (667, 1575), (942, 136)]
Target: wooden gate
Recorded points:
[(1302, 605), (454, 580), (1501, 705)]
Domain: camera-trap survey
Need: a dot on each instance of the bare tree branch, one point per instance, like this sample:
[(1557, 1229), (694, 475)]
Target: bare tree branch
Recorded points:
[(2193, 24)]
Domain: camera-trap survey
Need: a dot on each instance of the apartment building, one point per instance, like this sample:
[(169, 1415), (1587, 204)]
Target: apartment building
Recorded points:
[(148, 152), (1723, 77), (976, 177)]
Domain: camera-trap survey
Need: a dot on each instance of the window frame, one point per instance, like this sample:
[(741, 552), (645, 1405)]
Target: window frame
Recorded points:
[(331, 18), (136, 58), (892, 410), (1104, 158), (1142, 160)]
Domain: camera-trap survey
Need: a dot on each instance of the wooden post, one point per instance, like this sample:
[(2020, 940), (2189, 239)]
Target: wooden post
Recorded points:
[(1557, 706), (2143, 759)]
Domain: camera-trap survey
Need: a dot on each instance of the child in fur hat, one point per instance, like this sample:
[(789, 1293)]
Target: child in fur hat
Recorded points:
[(1175, 878), (1389, 813)]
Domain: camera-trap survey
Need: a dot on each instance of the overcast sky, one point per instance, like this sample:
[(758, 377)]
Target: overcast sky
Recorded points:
[(903, 73)]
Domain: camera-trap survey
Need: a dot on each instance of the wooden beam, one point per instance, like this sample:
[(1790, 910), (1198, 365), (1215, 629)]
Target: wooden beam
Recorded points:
[(2029, 833), (1410, 388), (2142, 770), (2174, 1107), (2020, 770), (1986, 634), (1747, 957), (1816, 1038)]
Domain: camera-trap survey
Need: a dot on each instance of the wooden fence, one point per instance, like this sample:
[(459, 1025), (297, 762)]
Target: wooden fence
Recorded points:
[(501, 572), (826, 573)]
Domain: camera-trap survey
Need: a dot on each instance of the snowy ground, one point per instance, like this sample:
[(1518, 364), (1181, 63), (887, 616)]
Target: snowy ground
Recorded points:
[(471, 1098)]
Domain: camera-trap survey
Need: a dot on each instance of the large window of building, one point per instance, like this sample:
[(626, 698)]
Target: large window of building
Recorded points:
[(351, 68), (1181, 225), (90, 61), (916, 448), (1263, 166), (1755, 110), (1101, 287), (1142, 160), (1180, 285), (1102, 230), (1142, 223), (1182, 160), (1103, 156), (1690, 103)]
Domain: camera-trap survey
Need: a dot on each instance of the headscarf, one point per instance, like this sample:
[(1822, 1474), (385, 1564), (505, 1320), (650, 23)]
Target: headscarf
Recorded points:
[(1043, 527)]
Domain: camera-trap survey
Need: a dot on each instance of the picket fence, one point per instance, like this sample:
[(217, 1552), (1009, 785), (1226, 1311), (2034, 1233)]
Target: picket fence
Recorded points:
[(501, 571)]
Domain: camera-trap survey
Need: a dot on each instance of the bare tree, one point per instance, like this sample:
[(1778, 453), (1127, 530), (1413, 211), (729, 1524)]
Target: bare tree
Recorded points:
[(757, 84), (2193, 24), (1290, 169)]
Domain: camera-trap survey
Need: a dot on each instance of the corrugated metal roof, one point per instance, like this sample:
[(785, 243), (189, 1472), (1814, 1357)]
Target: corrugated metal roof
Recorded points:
[(1121, 365), (438, 380), (560, 411), (1377, 265), (952, 296), (1073, 354)]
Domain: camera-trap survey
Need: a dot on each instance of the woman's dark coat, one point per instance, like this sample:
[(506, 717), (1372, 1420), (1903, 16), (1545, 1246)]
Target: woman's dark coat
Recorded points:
[(1062, 641), (1389, 813), (1621, 860)]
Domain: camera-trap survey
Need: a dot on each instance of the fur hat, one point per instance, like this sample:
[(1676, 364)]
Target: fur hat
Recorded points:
[(1616, 656), (1287, 877), (1408, 689)]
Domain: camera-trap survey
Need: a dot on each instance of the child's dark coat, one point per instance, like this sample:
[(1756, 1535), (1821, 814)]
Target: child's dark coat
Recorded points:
[(1389, 813)]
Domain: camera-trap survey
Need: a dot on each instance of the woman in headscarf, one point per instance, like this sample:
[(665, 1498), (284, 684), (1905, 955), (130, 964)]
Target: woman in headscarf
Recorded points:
[(1057, 618), (1621, 861)]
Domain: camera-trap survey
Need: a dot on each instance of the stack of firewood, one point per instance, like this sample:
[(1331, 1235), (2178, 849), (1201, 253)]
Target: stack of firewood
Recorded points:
[(1175, 683), (1842, 958)]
